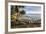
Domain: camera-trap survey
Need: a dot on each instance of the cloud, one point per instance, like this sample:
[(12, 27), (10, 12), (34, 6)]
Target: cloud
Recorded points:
[(32, 8)]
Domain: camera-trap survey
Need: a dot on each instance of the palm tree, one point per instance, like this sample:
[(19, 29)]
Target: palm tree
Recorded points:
[(15, 13), (22, 12)]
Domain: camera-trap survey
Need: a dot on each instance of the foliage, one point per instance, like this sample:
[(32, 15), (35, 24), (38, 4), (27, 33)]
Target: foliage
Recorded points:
[(22, 12)]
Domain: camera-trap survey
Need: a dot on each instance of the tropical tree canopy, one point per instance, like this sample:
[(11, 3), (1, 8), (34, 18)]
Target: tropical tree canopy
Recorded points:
[(22, 12)]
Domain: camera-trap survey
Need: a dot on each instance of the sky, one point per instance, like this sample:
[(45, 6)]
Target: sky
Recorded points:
[(32, 9)]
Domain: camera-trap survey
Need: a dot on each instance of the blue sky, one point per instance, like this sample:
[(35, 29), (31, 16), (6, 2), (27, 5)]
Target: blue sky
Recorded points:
[(32, 9)]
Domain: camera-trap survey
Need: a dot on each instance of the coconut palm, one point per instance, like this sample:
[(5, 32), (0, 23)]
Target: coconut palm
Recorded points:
[(15, 13)]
